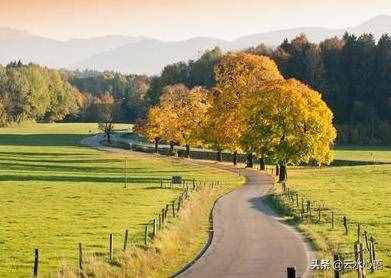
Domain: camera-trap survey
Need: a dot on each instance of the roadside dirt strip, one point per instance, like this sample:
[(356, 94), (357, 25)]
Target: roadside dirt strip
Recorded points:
[(249, 240)]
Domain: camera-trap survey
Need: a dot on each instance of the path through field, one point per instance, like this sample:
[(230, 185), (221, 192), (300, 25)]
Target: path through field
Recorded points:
[(249, 239)]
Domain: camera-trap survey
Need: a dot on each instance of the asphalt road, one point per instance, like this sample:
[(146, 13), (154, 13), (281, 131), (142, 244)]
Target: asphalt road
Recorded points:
[(249, 240)]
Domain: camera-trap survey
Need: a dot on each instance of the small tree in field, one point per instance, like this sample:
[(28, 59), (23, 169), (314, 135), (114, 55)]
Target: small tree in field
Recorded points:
[(108, 129)]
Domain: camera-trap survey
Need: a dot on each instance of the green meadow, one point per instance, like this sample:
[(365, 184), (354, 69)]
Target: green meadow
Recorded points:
[(357, 188), (56, 193)]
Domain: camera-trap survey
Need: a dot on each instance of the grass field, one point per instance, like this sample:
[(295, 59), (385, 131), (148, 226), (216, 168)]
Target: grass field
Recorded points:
[(56, 193), (361, 192)]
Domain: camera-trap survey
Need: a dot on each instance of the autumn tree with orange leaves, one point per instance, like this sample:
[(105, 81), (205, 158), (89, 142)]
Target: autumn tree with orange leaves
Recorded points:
[(251, 109), (179, 117), (238, 76)]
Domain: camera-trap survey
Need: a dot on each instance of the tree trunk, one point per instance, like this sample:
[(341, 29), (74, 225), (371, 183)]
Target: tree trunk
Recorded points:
[(187, 151), (108, 138), (156, 145), (262, 165), (235, 158), (277, 170), (219, 156), (283, 173), (250, 162), (171, 148)]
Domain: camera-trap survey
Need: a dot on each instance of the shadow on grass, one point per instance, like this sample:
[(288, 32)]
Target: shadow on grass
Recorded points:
[(339, 162), (80, 169), (267, 205), (136, 180), (41, 139)]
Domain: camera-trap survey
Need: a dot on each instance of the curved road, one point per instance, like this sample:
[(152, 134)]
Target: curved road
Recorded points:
[(249, 239)]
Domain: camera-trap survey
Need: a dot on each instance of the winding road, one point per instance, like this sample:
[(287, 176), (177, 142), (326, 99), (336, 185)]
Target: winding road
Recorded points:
[(249, 240)]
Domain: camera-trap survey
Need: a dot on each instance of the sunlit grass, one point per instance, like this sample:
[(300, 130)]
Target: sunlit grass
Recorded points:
[(56, 193), (360, 192)]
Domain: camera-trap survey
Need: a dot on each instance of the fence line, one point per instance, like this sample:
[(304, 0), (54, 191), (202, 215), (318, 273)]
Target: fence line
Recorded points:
[(153, 226), (303, 209)]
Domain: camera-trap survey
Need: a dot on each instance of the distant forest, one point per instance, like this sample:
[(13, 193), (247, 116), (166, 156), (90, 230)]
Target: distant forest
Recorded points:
[(353, 74)]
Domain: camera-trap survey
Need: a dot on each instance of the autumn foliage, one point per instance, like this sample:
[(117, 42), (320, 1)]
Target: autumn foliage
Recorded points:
[(251, 109)]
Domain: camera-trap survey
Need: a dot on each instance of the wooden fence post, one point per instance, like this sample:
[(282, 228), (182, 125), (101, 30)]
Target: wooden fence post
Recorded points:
[(163, 216), (126, 239), (372, 253), (154, 228), (166, 211), (309, 210), (361, 259), (111, 247), (297, 199), (126, 173), (337, 269), (291, 271), (80, 257), (36, 262), (345, 224), (373, 248), (146, 235), (173, 209)]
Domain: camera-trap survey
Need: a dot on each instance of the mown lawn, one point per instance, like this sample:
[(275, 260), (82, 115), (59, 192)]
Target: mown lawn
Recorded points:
[(56, 193), (360, 191)]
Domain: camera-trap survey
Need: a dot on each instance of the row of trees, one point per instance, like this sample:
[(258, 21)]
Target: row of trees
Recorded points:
[(31, 92), (251, 109)]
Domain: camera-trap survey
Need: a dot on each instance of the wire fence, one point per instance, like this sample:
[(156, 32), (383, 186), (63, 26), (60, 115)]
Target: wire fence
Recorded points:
[(304, 209), (151, 228)]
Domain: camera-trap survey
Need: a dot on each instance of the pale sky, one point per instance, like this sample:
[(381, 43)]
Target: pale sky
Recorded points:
[(181, 19)]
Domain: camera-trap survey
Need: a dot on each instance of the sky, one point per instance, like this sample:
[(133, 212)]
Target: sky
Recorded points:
[(181, 19)]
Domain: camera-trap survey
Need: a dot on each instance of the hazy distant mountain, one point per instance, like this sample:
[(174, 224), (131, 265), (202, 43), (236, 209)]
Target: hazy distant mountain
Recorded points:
[(377, 26), (21, 45), (150, 56), (146, 55)]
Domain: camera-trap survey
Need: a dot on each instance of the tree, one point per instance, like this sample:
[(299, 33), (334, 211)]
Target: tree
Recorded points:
[(238, 75), (107, 128), (201, 72), (290, 122), (179, 117)]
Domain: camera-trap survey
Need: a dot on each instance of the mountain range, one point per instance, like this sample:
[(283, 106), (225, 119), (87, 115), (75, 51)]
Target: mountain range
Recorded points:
[(145, 55)]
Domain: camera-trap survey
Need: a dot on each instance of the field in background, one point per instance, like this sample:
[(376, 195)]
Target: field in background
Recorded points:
[(362, 153), (56, 193), (360, 191)]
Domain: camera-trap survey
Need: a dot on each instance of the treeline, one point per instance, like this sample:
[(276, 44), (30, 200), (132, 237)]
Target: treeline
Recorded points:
[(119, 97), (127, 98), (251, 109), (352, 73), (31, 92)]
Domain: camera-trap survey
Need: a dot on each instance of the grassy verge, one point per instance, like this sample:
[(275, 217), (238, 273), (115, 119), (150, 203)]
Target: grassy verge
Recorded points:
[(361, 193), (56, 193), (177, 244)]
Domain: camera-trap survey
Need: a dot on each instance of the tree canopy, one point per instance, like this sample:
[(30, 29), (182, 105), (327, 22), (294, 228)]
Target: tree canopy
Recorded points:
[(252, 108)]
